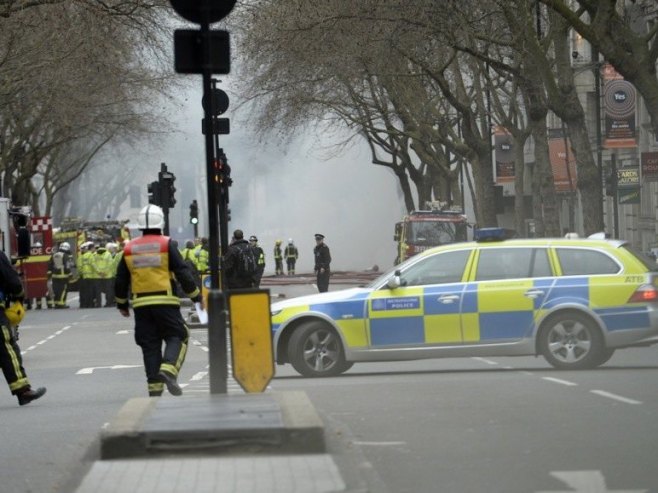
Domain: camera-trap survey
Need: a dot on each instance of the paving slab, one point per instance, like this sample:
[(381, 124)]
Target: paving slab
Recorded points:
[(312, 473), (269, 423)]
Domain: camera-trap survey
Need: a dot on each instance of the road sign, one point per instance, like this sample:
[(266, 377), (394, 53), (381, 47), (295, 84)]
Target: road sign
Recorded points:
[(220, 126), (196, 52), (219, 102), (203, 11), (251, 338)]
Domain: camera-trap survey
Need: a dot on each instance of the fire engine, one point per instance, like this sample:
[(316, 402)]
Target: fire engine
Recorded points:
[(423, 229), (27, 240)]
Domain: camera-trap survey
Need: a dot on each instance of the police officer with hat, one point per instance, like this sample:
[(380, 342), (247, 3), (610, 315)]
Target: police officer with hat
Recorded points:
[(322, 262)]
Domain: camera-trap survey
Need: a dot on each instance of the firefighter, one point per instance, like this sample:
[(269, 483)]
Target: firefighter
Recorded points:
[(322, 262), (10, 316), (60, 269), (146, 271), (291, 255), (260, 259), (278, 258)]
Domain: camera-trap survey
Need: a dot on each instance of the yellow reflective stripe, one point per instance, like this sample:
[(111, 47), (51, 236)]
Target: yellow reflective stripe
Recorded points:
[(156, 387), (194, 293), (121, 300), (288, 313), (36, 258), (155, 300), (169, 368), (15, 363)]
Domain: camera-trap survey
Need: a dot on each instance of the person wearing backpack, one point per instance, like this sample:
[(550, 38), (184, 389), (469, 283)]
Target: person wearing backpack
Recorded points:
[(240, 263)]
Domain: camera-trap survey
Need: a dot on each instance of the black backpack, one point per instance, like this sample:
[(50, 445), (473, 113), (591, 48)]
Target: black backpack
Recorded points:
[(247, 263)]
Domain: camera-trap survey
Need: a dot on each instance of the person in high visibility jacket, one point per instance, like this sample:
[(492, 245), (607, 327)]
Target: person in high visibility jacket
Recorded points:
[(11, 360), (202, 255), (102, 273), (59, 273), (148, 270), (278, 258), (291, 255), (85, 272)]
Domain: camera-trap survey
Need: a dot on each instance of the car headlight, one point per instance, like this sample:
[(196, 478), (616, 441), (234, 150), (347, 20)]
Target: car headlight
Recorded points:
[(276, 312)]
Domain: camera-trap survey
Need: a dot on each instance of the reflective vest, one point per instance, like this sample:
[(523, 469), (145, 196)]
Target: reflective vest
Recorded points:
[(147, 259)]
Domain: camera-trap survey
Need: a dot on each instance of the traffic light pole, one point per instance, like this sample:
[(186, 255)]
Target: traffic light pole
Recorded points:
[(217, 349)]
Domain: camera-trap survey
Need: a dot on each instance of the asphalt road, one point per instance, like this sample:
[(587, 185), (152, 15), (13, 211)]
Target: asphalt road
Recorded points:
[(453, 425)]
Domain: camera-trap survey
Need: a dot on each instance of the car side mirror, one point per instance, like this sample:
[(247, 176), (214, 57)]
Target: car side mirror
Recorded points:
[(394, 281)]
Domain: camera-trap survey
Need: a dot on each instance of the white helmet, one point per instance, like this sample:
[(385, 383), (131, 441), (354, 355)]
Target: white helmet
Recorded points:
[(65, 247), (289, 240), (151, 217)]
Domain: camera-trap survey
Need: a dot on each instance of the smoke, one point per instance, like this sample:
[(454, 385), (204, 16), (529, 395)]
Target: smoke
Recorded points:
[(290, 190)]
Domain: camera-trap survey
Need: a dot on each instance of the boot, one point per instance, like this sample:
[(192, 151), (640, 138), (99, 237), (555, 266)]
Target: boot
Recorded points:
[(171, 383), (30, 395)]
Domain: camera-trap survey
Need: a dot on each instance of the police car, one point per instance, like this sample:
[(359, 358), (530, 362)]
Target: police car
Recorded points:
[(572, 301)]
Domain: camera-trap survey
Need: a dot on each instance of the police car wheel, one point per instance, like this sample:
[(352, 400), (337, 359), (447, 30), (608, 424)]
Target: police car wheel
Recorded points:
[(315, 350), (572, 341)]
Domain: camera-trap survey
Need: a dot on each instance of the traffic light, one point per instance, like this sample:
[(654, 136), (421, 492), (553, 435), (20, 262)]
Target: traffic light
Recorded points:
[(194, 213), (154, 193), (168, 189)]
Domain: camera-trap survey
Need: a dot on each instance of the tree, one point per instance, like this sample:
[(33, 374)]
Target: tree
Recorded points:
[(620, 32), (74, 76)]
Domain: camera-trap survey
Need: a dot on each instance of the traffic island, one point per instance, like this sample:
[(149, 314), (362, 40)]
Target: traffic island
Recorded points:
[(268, 423)]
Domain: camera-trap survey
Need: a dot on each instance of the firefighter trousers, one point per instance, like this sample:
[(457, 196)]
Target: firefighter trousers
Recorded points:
[(12, 362), (60, 289), (154, 326)]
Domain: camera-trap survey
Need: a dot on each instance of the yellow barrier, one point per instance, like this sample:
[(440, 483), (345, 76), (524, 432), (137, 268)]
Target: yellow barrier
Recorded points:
[(251, 338)]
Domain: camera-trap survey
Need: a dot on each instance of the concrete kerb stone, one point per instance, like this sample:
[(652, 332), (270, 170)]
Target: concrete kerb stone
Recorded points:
[(271, 423), (124, 433)]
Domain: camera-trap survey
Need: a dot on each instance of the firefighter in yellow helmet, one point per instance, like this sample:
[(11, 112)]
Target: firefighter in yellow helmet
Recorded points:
[(148, 270), (12, 312), (278, 258)]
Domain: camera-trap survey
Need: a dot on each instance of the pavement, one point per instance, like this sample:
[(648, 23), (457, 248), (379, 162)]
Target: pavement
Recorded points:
[(270, 442)]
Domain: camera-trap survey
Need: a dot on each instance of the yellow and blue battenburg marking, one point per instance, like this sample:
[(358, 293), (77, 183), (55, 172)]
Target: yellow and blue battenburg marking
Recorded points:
[(472, 312)]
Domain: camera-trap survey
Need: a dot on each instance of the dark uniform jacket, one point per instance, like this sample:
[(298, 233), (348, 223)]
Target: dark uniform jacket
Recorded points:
[(322, 257), (234, 278), (11, 288)]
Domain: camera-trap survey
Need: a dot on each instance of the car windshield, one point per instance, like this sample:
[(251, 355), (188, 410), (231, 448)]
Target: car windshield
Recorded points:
[(431, 233)]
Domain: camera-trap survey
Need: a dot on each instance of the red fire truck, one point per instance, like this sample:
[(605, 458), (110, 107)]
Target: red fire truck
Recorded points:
[(27, 240), (423, 229)]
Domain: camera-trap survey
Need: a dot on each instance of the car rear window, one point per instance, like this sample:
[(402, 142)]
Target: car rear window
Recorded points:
[(584, 262), (648, 262)]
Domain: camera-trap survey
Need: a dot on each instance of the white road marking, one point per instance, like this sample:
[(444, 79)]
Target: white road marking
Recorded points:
[(90, 370), (198, 376), (585, 482), (616, 397), (559, 380), (43, 341), (483, 360), (380, 444), (121, 332)]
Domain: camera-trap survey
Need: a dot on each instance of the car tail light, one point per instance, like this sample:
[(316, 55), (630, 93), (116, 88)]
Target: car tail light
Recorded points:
[(644, 293)]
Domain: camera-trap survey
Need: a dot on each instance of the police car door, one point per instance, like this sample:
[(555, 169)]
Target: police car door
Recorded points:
[(425, 309), (511, 284)]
